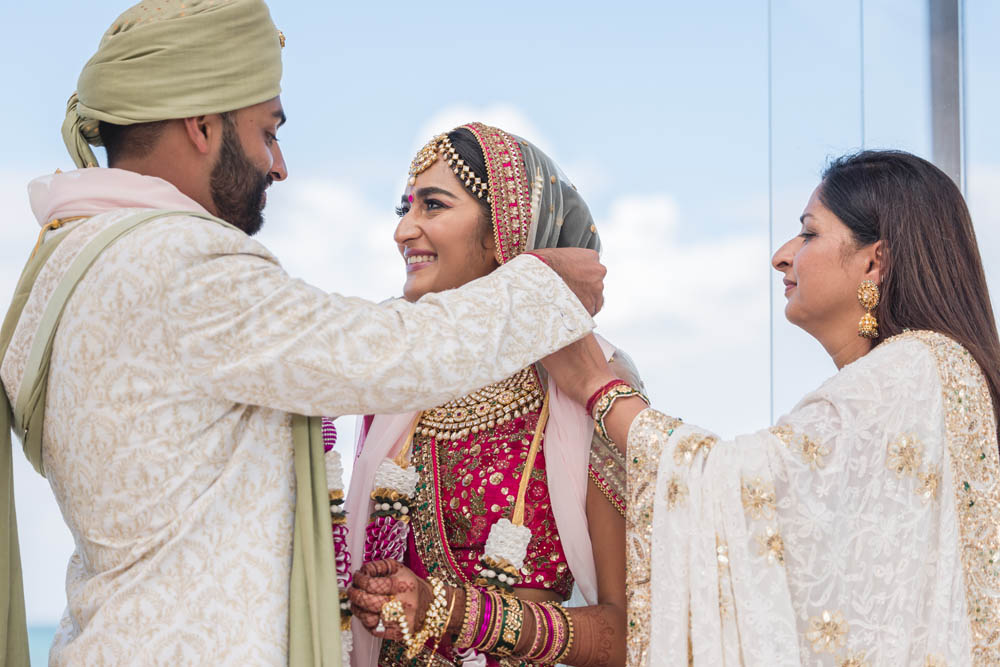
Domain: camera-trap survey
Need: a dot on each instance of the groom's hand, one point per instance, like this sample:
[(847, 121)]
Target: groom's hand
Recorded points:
[(582, 271), (579, 369)]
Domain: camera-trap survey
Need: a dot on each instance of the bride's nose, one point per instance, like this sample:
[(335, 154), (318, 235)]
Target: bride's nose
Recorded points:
[(406, 229)]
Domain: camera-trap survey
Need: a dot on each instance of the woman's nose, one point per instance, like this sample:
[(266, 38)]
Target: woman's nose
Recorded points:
[(783, 256)]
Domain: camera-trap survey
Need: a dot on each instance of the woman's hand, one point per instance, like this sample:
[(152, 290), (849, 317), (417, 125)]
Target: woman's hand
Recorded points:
[(579, 369), (380, 581)]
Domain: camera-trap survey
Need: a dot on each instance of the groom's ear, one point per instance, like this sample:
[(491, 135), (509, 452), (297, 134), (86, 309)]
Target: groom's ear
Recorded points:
[(204, 132)]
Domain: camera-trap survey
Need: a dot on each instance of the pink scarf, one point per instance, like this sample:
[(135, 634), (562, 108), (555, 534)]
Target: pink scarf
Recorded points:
[(567, 448)]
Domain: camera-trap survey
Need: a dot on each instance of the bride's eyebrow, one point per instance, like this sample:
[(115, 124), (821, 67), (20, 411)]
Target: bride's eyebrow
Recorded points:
[(430, 190)]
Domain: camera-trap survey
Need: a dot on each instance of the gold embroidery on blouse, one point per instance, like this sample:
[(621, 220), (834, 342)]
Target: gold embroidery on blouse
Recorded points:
[(904, 455), (812, 452), (971, 438), (827, 632), (772, 546), (648, 436), (758, 498), (689, 445), (934, 660), (929, 482)]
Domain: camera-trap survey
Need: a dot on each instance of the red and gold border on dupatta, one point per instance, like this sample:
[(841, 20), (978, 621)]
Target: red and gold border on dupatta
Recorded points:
[(429, 532), (509, 190)]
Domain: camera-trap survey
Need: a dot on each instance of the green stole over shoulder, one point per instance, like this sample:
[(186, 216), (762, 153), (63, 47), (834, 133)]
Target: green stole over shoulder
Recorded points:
[(314, 606)]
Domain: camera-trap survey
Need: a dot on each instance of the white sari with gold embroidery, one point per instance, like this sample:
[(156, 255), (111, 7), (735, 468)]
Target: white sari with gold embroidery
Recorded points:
[(863, 529)]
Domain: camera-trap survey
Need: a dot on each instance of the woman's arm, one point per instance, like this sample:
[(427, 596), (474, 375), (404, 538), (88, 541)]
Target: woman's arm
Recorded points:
[(580, 369)]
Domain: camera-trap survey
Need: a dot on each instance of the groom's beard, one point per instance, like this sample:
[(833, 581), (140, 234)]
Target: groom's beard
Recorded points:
[(237, 185)]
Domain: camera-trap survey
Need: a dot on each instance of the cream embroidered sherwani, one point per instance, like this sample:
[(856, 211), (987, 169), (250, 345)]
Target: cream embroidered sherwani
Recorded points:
[(167, 433)]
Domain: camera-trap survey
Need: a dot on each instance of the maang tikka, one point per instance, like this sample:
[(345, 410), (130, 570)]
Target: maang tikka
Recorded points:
[(868, 296)]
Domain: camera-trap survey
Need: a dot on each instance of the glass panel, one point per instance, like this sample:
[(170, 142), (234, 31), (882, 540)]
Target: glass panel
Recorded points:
[(982, 131)]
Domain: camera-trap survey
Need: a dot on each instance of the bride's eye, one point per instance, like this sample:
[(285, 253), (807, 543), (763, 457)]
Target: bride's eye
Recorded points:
[(402, 210), (433, 204)]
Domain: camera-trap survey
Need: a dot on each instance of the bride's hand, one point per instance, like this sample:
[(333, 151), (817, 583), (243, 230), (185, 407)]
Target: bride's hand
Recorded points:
[(579, 369), (380, 581)]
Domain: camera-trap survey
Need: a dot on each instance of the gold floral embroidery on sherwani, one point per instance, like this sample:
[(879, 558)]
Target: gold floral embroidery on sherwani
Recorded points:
[(860, 530)]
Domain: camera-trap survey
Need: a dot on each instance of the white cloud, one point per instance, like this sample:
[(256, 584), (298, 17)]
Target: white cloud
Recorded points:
[(505, 116)]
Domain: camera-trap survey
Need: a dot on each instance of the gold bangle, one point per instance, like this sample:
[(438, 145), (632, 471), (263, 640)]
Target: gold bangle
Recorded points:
[(569, 632), (470, 621), (541, 633)]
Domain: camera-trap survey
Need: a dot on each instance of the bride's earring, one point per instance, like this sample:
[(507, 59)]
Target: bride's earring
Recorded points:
[(868, 296)]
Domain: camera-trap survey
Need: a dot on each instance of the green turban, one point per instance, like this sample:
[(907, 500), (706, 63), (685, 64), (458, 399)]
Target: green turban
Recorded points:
[(166, 59)]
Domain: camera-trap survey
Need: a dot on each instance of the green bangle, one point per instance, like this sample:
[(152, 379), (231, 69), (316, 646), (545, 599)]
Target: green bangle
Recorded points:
[(513, 620)]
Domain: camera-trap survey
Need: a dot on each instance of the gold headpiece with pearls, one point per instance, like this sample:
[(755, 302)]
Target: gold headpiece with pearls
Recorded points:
[(440, 147)]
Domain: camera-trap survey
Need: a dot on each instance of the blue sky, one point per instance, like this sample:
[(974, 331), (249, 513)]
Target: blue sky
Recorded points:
[(657, 110)]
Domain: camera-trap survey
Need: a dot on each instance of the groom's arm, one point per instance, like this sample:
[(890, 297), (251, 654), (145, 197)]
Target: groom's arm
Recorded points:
[(247, 332)]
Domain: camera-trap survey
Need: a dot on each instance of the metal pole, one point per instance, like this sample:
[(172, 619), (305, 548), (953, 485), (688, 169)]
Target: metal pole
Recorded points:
[(946, 89)]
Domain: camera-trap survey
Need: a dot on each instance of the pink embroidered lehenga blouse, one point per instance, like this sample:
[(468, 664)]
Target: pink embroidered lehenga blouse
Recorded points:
[(465, 487)]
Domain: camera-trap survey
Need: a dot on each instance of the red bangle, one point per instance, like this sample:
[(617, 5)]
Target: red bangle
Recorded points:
[(539, 258), (596, 396)]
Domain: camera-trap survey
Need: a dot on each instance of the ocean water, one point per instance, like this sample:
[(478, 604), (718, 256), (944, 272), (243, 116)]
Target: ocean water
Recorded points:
[(39, 641)]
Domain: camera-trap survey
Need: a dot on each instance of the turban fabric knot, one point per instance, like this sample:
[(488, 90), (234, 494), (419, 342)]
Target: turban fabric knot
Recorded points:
[(165, 59)]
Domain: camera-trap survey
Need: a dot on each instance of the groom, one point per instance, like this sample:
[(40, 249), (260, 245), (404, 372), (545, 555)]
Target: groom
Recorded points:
[(171, 389)]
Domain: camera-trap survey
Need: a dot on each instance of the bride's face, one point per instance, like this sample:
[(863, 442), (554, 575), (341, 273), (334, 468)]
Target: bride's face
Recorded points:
[(442, 234), (823, 267)]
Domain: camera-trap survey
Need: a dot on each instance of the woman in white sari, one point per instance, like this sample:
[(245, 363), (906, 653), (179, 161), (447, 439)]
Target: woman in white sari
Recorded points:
[(864, 527)]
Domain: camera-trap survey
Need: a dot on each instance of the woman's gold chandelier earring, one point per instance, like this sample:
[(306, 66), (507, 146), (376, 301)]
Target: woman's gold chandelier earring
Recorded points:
[(868, 295)]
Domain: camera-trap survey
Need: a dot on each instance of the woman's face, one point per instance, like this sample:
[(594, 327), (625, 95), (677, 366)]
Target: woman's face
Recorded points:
[(823, 267), (441, 234)]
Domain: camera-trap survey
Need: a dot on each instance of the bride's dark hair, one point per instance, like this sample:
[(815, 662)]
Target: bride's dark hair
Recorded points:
[(467, 147), (934, 277)]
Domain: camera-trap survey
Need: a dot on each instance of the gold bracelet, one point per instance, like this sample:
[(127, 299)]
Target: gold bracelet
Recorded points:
[(603, 406), (393, 612), (432, 621), (444, 629)]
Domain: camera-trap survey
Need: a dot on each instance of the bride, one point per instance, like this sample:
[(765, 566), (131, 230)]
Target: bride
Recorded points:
[(491, 508)]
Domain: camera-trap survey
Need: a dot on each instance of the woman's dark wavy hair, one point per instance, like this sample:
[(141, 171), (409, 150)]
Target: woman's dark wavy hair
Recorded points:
[(933, 278)]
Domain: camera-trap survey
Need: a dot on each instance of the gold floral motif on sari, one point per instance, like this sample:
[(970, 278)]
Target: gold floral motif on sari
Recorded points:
[(904, 456), (758, 498), (812, 452)]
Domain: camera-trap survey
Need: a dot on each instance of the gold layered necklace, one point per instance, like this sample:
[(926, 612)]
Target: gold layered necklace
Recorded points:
[(486, 408)]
